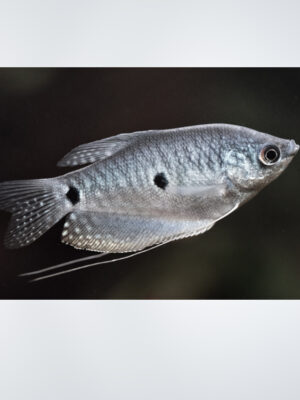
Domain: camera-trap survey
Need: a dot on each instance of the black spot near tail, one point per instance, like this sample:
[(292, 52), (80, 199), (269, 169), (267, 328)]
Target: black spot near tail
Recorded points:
[(161, 180), (73, 195)]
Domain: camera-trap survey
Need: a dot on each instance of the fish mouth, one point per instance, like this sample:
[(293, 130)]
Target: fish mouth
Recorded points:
[(293, 148)]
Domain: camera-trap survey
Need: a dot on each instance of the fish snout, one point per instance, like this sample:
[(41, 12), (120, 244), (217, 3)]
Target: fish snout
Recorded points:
[(293, 148)]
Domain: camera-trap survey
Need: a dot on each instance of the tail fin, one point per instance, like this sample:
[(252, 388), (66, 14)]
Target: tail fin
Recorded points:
[(36, 205)]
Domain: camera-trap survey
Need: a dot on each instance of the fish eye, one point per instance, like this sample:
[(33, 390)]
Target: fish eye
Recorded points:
[(269, 155)]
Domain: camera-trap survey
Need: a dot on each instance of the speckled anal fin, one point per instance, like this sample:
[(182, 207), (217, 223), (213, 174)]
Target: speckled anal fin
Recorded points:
[(122, 233)]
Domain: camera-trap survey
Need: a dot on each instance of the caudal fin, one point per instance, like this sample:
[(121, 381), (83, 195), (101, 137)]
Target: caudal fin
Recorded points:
[(36, 205)]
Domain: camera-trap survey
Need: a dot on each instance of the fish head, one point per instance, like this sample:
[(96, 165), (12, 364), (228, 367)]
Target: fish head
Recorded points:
[(254, 159)]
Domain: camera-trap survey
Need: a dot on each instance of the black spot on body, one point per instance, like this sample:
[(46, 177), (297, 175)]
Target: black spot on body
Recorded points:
[(73, 195), (161, 180)]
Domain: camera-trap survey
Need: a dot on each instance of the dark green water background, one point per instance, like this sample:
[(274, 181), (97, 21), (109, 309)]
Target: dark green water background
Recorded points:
[(252, 254)]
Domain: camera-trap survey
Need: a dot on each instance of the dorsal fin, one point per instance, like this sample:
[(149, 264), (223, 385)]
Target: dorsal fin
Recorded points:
[(99, 150)]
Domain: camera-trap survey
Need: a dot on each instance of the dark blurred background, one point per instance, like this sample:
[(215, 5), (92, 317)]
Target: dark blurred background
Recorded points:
[(253, 253)]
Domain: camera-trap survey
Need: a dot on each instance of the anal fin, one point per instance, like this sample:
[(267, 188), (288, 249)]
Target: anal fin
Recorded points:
[(114, 233)]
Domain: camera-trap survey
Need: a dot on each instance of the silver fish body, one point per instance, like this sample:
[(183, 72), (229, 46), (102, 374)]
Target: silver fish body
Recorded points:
[(148, 187)]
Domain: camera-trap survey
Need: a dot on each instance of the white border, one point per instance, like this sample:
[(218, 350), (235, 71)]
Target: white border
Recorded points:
[(146, 33), (150, 350)]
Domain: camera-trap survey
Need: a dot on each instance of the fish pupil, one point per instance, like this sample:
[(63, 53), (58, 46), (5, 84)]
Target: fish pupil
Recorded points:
[(73, 195), (271, 155), (161, 180)]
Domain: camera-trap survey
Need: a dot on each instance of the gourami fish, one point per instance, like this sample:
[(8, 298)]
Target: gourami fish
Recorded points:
[(146, 188)]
